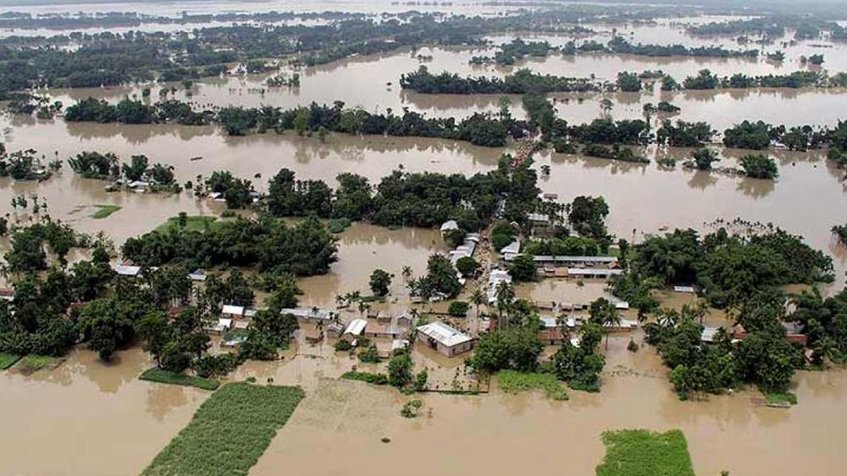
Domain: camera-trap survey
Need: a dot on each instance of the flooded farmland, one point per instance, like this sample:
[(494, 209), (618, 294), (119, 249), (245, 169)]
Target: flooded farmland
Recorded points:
[(88, 417)]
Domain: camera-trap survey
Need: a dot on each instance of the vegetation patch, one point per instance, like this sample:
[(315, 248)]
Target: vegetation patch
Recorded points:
[(104, 210), (8, 360), (229, 432), (411, 409), (189, 223), (512, 381), (34, 363), (785, 399), (174, 378), (645, 453), (376, 379)]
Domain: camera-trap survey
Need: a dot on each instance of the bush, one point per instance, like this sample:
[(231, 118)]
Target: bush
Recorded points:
[(376, 379), (343, 346), (458, 308), (174, 378), (369, 355), (411, 409), (400, 370)]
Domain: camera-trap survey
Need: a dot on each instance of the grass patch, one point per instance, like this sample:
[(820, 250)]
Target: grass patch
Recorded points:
[(192, 223), (8, 360), (512, 381), (173, 378), (34, 363), (229, 432), (104, 210), (376, 379), (781, 398), (645, 453)]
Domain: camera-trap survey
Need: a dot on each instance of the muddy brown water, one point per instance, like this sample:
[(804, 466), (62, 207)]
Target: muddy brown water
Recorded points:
[(502, 434), (86, 417), (807, 199), (366, 85)]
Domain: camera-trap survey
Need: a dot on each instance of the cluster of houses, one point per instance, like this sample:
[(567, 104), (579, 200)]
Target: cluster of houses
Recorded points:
[(465, 250), (600, 267)]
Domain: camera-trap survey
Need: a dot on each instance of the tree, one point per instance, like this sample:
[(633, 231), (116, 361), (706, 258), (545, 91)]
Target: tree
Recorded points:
[(467, 266), (380, 282), (523, 268), (400, 370), (478, 298), (107, 325), (603, 313), (514, 348), (458, 309), (759, 166), (155, 333), (704, 158)]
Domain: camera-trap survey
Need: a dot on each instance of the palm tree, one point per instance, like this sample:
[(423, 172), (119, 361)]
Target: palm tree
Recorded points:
[(611, 319), (407, 272), (477, 298), (505, 295)]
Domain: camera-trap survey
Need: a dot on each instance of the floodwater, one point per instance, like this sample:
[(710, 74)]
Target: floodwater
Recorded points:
[(501, 434), (87, 417), (90, 418), (642, 198), (372, 83)]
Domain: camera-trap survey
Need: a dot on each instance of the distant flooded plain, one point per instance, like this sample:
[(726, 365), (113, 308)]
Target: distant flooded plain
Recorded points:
[(86, 417)]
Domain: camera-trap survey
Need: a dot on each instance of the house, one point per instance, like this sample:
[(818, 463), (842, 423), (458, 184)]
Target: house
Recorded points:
[(512, 248), (383, 318), (405, 320), (231, 311), (197, 275), (223, 325), (552, 336), (309, 313), (449, 225), (444, 339), (538, 219), (7, 294), (381, 330), (625, 325), (496, 277), (601, 273), (334, 330), (356, 327), (709, 334), (126, 270), (794, 332), (684, 289), (399, 344)]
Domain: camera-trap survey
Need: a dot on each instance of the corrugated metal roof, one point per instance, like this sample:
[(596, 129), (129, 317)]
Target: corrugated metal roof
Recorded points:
[(232, 310), (356, 327), (443, 334)]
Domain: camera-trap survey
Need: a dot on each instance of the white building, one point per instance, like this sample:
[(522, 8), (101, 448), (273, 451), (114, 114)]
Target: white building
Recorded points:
[(444, 338), (496, 277)]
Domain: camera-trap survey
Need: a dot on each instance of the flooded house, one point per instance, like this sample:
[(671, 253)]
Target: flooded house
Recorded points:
[(444, 338), (127, 271)]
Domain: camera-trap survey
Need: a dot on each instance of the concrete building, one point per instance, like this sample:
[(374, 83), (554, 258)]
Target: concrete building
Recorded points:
[(445, 339)]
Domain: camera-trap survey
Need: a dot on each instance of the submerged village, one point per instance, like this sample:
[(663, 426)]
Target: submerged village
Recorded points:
[(423, 238)]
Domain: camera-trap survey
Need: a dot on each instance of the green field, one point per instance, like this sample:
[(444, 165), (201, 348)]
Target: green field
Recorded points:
[(192, 223), (32, 363), (8, 360), (229, 432), (512, 381), (104, 210), (645, 453), (173, 378)]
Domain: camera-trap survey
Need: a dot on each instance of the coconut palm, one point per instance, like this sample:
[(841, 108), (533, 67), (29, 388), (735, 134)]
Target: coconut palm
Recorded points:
[(505, 296), (407, 272), (477, 298)]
